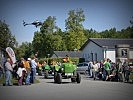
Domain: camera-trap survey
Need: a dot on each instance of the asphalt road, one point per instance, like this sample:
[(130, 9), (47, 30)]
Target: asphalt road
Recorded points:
[(88, 89)]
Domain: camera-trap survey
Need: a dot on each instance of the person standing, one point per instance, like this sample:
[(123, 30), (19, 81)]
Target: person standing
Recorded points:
[(8, 72), (120, 71), (90, 68), (33, 69), (28, 69), (21, 73), (107, 67), (95, 70), (126, 70)]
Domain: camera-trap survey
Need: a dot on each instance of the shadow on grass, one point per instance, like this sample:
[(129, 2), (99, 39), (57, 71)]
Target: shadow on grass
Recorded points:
[(14, 81)]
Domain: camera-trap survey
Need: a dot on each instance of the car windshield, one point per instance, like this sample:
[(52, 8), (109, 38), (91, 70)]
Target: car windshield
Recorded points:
[(85, 64), (79, 65), (82, 64)]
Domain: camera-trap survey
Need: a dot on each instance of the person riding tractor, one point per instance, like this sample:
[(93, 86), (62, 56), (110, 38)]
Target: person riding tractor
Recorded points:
[(66, 70)]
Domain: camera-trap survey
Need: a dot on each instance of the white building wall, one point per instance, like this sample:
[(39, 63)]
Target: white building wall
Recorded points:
[(94, 49), (101, 53), (111, 55), (131, 54)]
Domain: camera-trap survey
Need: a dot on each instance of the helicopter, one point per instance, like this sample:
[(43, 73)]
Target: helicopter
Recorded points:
[(36, 23)]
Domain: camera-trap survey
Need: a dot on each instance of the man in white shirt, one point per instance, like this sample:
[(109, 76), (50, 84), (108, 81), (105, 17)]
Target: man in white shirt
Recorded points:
[(33, 69)]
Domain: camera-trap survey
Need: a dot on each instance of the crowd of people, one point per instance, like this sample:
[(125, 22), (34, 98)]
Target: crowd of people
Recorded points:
[(25, 70), (109, 71)]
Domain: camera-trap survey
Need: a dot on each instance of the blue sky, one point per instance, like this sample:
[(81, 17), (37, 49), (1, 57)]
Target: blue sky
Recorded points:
[(99, 14)]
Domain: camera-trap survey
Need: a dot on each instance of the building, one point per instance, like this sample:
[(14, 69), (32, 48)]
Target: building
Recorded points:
[(62, 54), (96, 49)]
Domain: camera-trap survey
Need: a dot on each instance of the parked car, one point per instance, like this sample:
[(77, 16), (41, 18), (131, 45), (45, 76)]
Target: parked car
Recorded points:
[(83, 67)]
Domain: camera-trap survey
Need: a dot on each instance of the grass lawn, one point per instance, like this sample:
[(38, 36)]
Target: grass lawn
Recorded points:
[(14, 81), (2, 80)]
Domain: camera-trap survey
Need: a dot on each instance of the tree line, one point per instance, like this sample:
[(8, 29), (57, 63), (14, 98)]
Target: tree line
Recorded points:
[(51, 38)]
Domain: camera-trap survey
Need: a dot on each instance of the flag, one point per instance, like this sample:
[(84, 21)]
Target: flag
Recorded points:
[(11, 54)]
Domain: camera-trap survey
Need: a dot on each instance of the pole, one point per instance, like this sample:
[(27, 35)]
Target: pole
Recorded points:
[(48, 58)]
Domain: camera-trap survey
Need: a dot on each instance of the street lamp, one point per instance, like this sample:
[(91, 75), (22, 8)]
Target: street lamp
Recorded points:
[(48, 58), (75, 50)]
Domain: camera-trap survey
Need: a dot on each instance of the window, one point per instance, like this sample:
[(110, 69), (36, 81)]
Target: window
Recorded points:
[(124, 52)]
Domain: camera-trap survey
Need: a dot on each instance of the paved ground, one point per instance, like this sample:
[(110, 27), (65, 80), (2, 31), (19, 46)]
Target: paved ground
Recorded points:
[(88, 89)]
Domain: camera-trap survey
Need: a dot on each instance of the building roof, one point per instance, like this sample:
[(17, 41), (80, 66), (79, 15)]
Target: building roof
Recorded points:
[(109, 42), (62, 54)]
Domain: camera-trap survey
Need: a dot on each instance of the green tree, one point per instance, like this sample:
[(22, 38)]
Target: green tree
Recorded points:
[(92, 33), (131, 21), (6, 38), (24, 50), (37, 42), (48, 39), (49, 25), (126, 33), (112, 33), (75, 36)]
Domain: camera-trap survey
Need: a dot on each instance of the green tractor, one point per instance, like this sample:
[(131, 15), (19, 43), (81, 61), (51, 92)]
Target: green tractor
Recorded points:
[(65, 71), (47, 71)]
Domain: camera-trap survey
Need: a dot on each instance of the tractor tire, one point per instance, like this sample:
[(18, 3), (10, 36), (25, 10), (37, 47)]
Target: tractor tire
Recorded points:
[(73, 79), (46, 74), (78, 78), (55, 77), (59, 78)]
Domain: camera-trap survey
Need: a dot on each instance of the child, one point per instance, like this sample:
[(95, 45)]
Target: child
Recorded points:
[(21, 73)]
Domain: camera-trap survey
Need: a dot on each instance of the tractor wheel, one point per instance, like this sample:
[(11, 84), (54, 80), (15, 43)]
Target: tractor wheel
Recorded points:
[(55, 77), (78, 78), (73, 79), (59, 78), (74, 73), (46, 74)]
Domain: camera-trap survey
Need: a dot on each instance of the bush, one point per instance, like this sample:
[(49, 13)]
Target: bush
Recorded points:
[(75, 60)]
